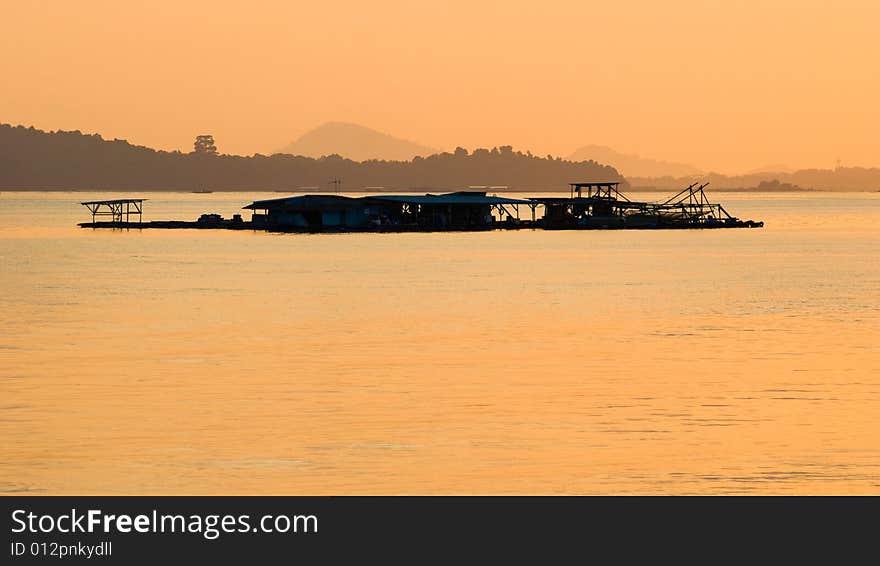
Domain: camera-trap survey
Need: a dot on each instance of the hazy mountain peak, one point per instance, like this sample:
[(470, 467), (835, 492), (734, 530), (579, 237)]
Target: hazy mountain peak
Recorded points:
[(771, 168), (355, 142), (631, 165)]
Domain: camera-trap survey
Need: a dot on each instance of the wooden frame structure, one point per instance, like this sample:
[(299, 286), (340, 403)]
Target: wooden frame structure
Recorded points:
[(117, 209), (597, 190)]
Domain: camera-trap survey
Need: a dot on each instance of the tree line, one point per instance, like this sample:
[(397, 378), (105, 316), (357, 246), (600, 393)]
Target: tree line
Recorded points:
[(35, 159)]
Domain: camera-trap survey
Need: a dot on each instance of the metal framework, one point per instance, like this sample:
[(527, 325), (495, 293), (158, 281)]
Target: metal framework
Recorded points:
[(603, 205), (117, 209), (692, 205), (597, 190)]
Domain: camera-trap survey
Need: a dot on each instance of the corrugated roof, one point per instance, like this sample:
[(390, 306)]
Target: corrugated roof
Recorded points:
[(304, 202), (115, 201), (573, 200), (450, 198), (604, 184)]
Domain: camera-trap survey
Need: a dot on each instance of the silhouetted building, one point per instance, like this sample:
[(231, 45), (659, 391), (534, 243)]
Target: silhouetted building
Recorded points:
[(451, 211)]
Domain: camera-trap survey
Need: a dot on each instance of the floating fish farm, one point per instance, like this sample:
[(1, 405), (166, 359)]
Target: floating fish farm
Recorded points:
[(589, 206)]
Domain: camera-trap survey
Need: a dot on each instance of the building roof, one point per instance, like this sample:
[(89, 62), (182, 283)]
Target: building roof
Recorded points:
[(571, 200), (324, 202), (586, 185), (462, 197), (114, 201), (305, 202)]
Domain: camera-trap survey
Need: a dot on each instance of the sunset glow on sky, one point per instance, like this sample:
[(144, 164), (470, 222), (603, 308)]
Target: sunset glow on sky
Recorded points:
[(725, 85)]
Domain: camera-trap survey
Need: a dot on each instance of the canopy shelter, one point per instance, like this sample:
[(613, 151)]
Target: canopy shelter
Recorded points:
[(598, 190), (116, 209)]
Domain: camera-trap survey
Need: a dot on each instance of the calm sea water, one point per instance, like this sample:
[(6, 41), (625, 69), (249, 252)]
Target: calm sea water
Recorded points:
[(606, 362)]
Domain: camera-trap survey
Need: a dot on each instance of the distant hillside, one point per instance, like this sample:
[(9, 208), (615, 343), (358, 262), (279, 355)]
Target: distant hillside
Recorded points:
[(772, 168), (839, 179), (633, 165), (34, 159), (355, 142)]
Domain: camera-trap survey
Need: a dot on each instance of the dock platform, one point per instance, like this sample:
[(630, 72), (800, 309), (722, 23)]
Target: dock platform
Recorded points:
[(589, 206), (169, 225)]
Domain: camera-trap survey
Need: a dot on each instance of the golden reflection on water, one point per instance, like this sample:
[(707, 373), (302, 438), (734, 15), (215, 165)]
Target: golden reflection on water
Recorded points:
[(615, 362)]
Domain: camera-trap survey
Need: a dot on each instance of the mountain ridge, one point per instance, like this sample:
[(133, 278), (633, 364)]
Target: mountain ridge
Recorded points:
[(32, 159), (355, 142), (633, 165)]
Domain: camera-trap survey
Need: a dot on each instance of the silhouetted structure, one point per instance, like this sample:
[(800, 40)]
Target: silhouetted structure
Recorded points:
[(116, 209), (589, 206), (603, 207), (463, 210)]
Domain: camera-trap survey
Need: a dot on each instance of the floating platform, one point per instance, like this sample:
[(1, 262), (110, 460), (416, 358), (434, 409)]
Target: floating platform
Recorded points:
[(169, 225), (603, 207), (519, 225)]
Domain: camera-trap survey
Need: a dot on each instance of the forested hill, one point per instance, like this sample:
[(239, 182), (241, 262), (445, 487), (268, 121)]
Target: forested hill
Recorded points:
[(34, 159)]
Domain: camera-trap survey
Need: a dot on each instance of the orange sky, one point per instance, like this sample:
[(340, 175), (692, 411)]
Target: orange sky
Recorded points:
[(721, 84)]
